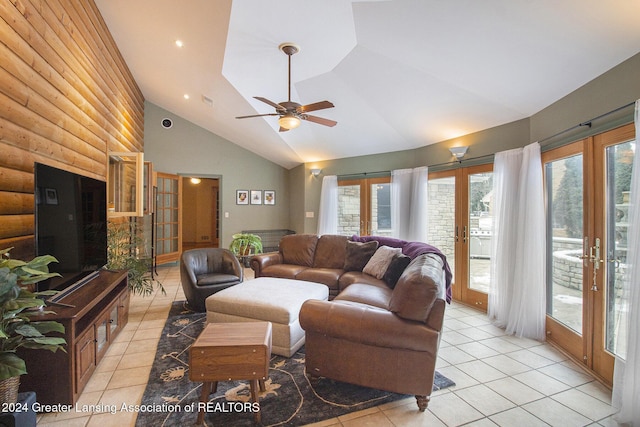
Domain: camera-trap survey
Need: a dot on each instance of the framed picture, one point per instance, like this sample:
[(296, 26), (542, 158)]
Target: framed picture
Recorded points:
[(50, 196), (242, 197), (269, 197), (256, 197)]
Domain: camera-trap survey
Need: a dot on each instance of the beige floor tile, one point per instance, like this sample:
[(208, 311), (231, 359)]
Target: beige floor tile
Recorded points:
[(377, 419), (98, 381), (484, 399), (461, 379), (108, 363), (556, 414), (129, 377), (500, 345), (530, 358), (124, 395), (452, 410), (121, 419), (584, 404), (359, 414), (517, 417), (480, 371), (146, 334), (506, 364), (514, 390), (455, 338), (541, 382), (477, 350), (453, 355), (71, 422), (565, 374), (152, 324), (136, 360), (141, 346), (408, 415), (117, 348)]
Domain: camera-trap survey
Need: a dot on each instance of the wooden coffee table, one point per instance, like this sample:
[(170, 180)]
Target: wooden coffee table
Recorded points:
[(231, 351)]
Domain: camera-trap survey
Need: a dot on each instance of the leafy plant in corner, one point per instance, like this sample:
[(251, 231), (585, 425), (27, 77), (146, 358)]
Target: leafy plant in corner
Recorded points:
[(243, 243), (124, 243), (17, 328)]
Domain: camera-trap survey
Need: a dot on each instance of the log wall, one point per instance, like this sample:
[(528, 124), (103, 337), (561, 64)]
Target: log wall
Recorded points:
[(66, 99)]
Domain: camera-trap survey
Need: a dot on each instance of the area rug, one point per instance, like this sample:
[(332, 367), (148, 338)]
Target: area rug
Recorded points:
[(170, 399)]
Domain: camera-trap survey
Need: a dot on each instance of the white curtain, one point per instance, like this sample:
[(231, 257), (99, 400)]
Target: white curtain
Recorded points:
[(626, 381), (328, 211), (517, 292), (409, 201)]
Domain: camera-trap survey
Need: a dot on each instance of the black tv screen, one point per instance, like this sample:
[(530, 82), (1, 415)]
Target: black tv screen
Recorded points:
[(70, 224)]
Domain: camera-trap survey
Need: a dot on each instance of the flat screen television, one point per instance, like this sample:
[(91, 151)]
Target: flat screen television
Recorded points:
[(70, 224)]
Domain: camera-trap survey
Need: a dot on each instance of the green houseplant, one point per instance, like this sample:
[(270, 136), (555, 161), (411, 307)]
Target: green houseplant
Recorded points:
[(242, 245), (17, 330), (124, 242)]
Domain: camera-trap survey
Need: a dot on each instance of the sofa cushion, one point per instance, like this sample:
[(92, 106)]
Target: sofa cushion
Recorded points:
[(366, 294), (285, 271), (397, 266), (298, 249), (358, 254), (326, 276), (352, 277), (380, 261), (416, 290), (331, 250)]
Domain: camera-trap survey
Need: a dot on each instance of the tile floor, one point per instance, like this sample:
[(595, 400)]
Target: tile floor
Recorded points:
[(500, 380)]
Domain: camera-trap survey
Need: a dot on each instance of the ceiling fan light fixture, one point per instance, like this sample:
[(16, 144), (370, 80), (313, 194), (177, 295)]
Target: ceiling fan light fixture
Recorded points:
[(289, 122)]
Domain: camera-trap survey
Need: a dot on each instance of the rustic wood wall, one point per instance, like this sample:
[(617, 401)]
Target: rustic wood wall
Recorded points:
[(66, 99)]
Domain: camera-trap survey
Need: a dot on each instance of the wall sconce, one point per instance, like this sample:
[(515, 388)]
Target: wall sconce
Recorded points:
[(458, 152), (315, 172)]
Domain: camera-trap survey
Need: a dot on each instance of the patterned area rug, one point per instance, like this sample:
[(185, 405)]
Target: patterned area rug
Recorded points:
[(170, 399)]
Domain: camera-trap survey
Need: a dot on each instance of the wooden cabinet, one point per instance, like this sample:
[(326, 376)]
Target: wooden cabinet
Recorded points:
[(93, 316)]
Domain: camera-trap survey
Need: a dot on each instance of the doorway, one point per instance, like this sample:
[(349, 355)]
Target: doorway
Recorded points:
[(587, 187), (460, 224), (201, 220)]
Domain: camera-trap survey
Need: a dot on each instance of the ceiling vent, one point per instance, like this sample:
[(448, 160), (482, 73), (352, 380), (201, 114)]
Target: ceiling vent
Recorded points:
[(167, 123)]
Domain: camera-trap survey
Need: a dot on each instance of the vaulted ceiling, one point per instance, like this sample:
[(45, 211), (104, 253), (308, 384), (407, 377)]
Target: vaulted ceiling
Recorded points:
[(402, 73)]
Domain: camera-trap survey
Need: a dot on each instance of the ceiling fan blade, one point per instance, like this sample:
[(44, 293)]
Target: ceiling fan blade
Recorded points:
[(257, 115), (273, 104), (319, 120), (314, 107)]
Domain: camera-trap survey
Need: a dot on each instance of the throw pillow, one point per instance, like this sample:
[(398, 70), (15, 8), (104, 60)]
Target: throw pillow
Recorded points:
[(358, 254), (398, 264), (380, 261)]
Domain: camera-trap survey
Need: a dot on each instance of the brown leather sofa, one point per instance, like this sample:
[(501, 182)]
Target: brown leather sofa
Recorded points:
[(370, 333)]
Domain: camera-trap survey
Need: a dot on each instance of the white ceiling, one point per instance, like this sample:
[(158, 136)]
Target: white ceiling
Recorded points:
[(401, 73)]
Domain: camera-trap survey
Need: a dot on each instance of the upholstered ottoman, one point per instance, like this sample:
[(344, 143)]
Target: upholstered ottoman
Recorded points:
[(269, 299)]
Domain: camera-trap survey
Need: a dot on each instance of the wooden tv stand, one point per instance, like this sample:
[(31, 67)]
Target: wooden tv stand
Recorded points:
[(92, 315)]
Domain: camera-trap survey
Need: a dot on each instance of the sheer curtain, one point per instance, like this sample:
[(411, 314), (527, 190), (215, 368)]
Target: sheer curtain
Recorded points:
[(517, 294), (328, 211), (409, 201), (626, 379)]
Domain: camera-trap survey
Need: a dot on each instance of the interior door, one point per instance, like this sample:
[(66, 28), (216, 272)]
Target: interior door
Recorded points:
[(460, 224), (168, 218), (587, 185)]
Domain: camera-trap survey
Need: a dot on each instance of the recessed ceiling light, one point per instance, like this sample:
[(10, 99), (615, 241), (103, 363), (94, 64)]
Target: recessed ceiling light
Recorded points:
[(186, 96), (179, 43)]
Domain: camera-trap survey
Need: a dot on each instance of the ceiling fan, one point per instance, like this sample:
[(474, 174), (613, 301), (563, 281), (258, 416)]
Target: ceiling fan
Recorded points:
[(291, 113)]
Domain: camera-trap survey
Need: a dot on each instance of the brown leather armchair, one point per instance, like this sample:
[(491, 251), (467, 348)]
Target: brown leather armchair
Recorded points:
[(204, 272)]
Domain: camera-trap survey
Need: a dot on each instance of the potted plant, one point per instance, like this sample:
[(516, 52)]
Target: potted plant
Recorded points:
[(17, 330), (124, 242), (242, 245)]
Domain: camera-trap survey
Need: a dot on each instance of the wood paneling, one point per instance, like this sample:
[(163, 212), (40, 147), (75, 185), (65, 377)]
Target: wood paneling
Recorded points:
[(66, 99)]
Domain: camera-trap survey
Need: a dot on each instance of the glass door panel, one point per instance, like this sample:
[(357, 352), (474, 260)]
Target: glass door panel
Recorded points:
[(619, 163), (564, 187), (479, 229), (168, 228), (380, 208), (349, 221), (442, 216)]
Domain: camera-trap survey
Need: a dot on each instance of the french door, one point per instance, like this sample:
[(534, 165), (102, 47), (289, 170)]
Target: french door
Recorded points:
[(168, 218), (460, 224), (587, 187), (364, 206)]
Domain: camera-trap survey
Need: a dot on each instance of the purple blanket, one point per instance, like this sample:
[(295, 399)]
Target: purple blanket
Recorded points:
[(412, 250)]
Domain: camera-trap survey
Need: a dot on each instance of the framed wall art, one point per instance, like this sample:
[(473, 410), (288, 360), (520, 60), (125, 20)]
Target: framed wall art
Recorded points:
[(242, 197), (269, 197), (256, 197)]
